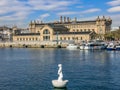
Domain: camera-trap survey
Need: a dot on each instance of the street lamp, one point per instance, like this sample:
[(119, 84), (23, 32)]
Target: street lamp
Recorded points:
[(57, 36)]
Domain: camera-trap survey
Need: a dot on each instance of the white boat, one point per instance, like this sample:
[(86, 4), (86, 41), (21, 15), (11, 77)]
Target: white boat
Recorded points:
[(110, 46), (88, 46), (72, 46), (93, 46), (117, 47), (82, 46)]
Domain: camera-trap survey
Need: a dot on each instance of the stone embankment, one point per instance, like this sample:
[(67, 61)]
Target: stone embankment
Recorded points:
[(32, 45)]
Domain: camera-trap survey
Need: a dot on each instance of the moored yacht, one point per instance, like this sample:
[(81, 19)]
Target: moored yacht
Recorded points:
[(88, 46), (72, 46), (82, 46), (117, 47), (93, 45), (110, 46)]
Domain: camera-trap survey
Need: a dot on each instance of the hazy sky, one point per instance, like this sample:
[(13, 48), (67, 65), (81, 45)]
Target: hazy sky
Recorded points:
[(21, 12)]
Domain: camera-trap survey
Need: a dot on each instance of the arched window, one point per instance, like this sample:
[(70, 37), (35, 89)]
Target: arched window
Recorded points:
[(93, 30), (64, 38), (68, 38), (36, 39), (81, 38), (46, 38), (33, 39), (73, 38), (46, 31), (29, 39), (77, 30), (76, 38)]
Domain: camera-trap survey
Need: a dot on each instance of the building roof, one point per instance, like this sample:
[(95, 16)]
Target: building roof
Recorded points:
[(59, 28), (5, 28), (24, 34), (87, 32), (92, 21), (60, 23)]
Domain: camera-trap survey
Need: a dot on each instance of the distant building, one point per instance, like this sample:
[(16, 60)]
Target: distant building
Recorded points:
[(65, 30), (5, 34), (17, 30), (115, 28)]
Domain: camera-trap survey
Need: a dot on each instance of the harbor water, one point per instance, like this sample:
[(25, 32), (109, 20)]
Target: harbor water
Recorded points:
[(35, 68)]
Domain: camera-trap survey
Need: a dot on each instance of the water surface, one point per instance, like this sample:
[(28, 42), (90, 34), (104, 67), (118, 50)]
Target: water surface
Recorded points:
[(34, 69)]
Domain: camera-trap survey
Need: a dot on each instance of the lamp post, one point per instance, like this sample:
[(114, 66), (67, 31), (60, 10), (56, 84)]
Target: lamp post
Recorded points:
[(57, 37)]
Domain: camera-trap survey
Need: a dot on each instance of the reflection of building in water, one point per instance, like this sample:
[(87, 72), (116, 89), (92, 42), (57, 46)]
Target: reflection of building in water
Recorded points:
[(65, 30)]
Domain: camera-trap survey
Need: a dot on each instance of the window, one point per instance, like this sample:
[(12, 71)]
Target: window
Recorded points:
[(72, 38), (77, 30), (76, 38), (36, 39), (64, 38), (46, 38), (81, 38), (60, 38), (68, 38), (46, 31), (18, 39)]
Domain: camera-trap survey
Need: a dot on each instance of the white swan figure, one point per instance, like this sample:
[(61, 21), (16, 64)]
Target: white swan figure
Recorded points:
[(60, 83), (60, 78)]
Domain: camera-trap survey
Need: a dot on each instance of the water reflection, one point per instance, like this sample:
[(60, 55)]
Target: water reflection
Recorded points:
[(60, 88)]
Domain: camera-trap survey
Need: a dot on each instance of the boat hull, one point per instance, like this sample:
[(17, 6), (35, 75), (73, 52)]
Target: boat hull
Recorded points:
[(117, 47), (110, 49)]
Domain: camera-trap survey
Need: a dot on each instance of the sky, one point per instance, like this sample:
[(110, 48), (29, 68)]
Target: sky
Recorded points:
[(22, 12)]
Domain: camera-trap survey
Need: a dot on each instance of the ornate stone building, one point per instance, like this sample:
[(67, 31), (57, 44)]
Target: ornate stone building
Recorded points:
[(65, 30), (5, 34)]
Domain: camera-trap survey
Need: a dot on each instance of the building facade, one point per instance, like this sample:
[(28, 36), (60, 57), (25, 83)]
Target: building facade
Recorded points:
[(5, 34), (65, 30)]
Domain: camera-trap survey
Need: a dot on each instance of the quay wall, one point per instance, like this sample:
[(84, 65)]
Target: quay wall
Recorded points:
[(32, 45)]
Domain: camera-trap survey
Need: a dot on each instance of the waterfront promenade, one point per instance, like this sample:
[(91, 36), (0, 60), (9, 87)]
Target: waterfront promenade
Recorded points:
[(32, 45)]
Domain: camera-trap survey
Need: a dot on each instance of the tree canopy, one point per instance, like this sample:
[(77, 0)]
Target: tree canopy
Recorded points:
[(113, 35)]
